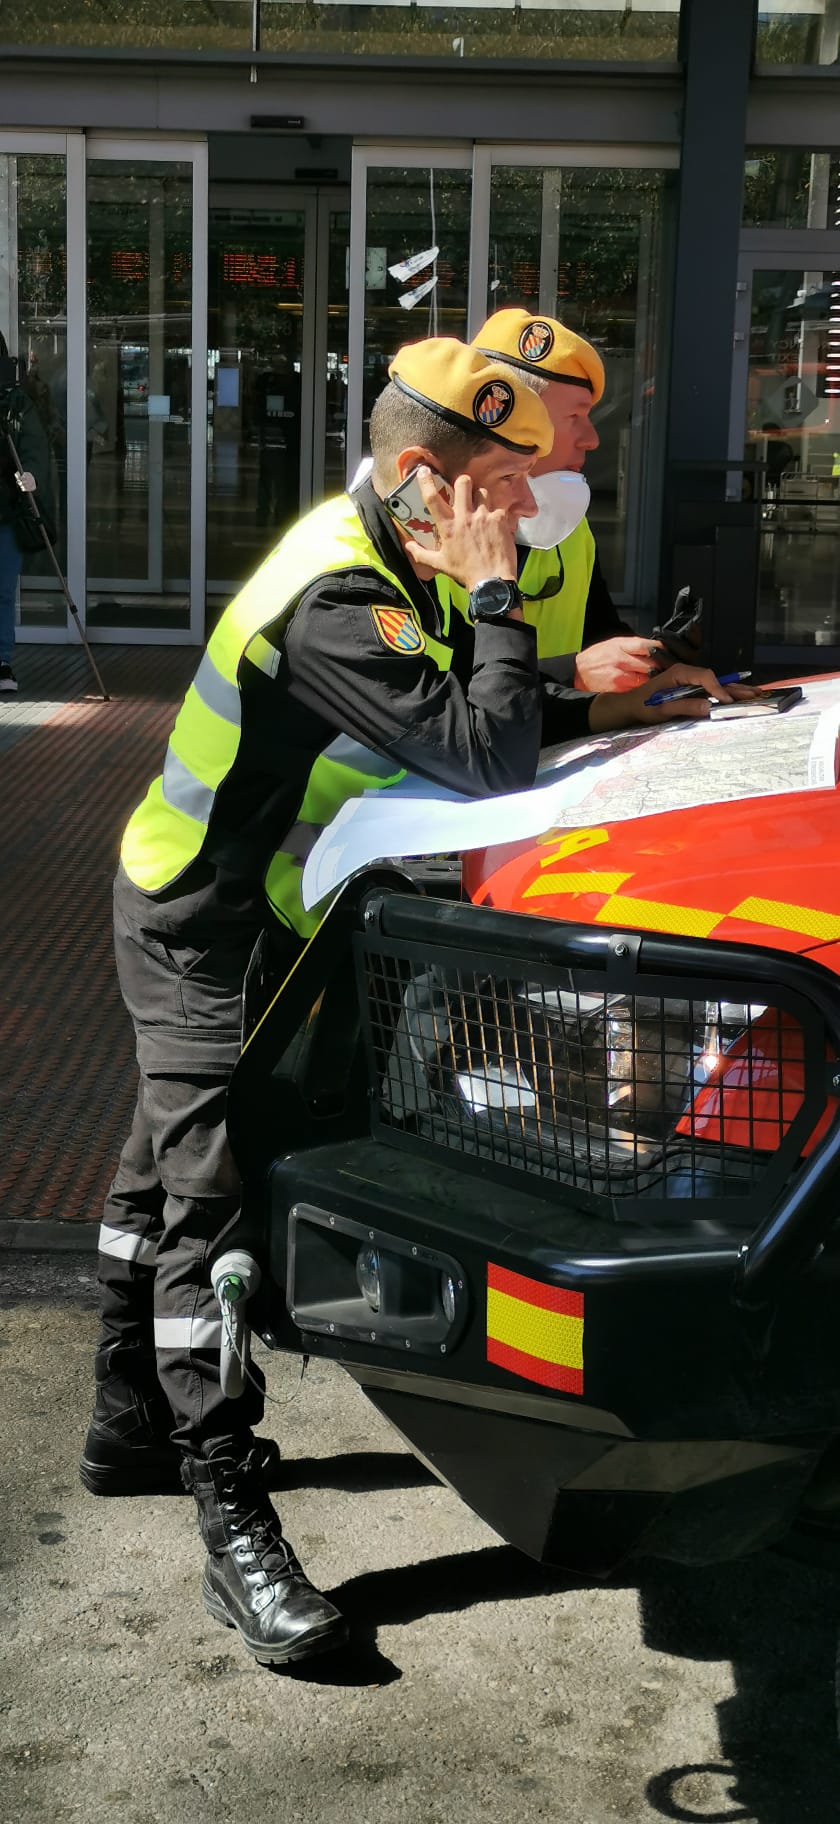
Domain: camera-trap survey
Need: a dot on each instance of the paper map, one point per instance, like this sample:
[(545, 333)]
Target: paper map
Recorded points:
[(606, 779)]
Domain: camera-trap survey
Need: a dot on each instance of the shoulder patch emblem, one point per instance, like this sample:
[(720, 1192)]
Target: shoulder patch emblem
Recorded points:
[(399, 628), (536, 341)]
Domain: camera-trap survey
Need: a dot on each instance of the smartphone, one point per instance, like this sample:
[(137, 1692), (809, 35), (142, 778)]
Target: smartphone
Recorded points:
[(771, 702), (407, 506)]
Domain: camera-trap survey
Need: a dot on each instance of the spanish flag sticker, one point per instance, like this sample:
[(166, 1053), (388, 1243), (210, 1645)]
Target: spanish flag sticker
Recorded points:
[(399, 628), (535, 1330)]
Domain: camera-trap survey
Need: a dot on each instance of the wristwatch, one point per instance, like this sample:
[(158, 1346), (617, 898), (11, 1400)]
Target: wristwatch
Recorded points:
[(493, 598)]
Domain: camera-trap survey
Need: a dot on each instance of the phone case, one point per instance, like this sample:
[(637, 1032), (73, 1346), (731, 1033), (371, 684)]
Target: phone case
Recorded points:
[(407, 506)]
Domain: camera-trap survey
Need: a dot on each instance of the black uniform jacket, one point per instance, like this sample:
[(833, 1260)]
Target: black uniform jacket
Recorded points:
[(476, 727)]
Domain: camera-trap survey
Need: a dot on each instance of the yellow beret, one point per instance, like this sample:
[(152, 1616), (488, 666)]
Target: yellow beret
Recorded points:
[(455, 382), (541, 345)]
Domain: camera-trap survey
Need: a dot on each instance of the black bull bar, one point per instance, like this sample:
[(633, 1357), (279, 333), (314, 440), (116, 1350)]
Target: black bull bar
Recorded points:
[(562, 1202)]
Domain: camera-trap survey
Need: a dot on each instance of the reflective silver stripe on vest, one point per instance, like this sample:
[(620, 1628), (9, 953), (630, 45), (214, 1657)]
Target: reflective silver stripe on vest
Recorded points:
[(216, 692), (300, 840), (118, 1244), (362, 759), (261, 653), (183, 791), (188, 1333)]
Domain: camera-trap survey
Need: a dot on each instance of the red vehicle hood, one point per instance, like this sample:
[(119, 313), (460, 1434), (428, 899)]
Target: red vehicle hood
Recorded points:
[(763, 870)]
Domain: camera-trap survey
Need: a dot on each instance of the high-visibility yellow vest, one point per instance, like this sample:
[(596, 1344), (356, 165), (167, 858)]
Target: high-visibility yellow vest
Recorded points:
[(558, 618), (170, 828)]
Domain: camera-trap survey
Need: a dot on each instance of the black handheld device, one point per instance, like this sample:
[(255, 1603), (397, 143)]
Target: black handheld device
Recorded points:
[(769, 703)]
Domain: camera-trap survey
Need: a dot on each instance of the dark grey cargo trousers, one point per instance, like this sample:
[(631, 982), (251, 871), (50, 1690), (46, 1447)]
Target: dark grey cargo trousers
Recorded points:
[(176, 1195)]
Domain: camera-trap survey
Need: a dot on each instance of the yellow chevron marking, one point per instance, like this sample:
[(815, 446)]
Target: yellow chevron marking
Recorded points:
[(574, 883), (657, 915), (570, 844), (786, 917)]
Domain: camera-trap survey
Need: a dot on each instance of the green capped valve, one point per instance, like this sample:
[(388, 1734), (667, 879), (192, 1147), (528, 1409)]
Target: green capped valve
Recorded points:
[(235, 1277)]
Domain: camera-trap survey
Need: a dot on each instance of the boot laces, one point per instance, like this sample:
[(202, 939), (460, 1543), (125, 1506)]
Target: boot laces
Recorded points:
[(241, 1488)]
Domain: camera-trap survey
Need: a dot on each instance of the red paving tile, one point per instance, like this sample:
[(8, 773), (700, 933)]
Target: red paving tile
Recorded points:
[(68, 786)]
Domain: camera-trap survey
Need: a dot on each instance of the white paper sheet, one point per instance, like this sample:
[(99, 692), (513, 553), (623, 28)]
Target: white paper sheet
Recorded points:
[(379, 826), (606, 779)]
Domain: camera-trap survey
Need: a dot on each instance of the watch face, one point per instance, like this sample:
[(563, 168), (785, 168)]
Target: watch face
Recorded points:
[(493, 598)]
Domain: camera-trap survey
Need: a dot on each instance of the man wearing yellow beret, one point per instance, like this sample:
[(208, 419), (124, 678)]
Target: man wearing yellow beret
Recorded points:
[(565, 593), (331, 673)]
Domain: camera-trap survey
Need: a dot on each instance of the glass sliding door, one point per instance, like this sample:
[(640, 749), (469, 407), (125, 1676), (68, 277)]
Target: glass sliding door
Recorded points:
[(33, 320), (277, 367), (584, 243), (409, 262), (146, 388), (786, 425), (257, 329)]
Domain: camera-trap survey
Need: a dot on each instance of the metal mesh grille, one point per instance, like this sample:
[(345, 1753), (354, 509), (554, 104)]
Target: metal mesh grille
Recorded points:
[(627, 1096)]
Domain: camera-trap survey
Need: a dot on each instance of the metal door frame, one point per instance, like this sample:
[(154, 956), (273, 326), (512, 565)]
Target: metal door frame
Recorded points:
[(103, 148), (71, 147), (330, 198)]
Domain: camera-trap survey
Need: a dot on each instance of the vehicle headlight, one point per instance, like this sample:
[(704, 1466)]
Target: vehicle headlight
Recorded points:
[(367, 1277)]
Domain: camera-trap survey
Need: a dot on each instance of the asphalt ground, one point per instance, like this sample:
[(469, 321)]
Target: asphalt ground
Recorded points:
[(477, 1688)]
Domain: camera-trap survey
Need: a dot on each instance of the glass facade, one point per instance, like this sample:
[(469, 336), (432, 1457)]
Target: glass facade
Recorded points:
[(138, 401), (147, 25), (628, 31), (797, 32), (790, 188), (33, 318), (584, 244), (638, 31)]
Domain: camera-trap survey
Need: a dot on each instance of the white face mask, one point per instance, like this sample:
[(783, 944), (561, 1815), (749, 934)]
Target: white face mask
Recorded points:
[(562, 499)]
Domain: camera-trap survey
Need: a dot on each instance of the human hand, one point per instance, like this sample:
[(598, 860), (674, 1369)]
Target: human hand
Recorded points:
[(626, 709), (474, 541), (618, 664)]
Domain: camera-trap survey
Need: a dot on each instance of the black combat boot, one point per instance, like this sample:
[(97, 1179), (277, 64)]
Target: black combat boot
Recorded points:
[(252, 1579), (128, 1449)]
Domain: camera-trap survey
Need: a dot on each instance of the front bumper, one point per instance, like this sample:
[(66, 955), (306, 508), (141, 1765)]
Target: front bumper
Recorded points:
[(694, 1434)]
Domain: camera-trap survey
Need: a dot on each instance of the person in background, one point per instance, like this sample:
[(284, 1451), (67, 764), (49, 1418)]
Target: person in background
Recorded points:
[(20, 421), (581, 638)]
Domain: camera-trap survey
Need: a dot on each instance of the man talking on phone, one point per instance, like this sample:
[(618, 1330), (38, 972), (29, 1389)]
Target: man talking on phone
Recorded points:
[(330, 673)]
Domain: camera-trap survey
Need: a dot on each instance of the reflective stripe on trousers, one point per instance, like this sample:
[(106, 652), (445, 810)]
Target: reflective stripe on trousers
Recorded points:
[(122, 1244), (188, 1333)]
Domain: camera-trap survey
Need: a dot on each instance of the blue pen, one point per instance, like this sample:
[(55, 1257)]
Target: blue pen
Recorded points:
[(693, 690)]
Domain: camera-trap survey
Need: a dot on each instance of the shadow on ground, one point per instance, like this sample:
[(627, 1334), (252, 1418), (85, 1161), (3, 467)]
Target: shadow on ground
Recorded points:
[(776, 1622), (773, 1620)]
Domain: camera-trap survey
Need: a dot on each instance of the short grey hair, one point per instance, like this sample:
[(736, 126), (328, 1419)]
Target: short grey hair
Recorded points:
[(536, 383)]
